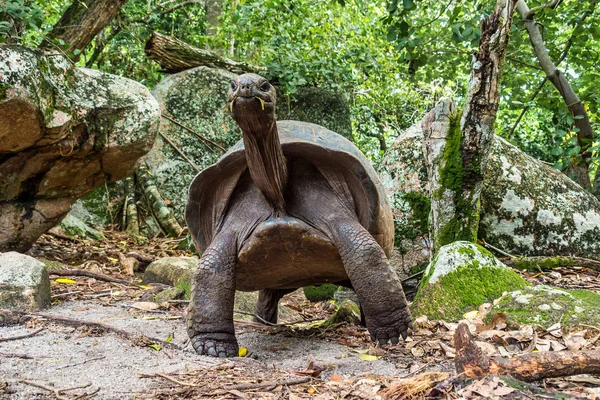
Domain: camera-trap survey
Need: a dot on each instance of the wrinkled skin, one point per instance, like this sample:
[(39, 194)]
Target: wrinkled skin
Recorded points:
[(275, 186)]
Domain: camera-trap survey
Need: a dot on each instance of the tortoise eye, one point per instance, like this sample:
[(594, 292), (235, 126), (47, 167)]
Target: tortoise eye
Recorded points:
[(233, 85), (264, 86)]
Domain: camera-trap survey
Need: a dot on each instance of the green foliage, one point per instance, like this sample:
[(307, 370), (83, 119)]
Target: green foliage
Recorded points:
[(16, 17)]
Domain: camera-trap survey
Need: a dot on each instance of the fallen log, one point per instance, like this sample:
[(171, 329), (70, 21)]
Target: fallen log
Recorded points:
[(471, 362), (175, 55), (548, 263)]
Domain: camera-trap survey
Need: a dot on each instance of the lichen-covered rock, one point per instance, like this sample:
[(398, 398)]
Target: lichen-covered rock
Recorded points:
[(528, 207), (461, 277), (197, 98), (74, 227), (24, 282), (404, 176), (546, 306), (63, 132)]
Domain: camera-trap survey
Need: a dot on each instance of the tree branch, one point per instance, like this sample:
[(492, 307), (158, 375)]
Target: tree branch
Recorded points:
[(585, 136), (553, 4)]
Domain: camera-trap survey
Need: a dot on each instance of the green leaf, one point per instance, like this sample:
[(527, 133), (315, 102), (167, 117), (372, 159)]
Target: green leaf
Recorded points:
[(155, 346), (408, 4)]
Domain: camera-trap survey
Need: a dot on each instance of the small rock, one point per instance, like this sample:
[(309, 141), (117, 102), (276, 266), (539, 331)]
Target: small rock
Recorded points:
[(24, 282)]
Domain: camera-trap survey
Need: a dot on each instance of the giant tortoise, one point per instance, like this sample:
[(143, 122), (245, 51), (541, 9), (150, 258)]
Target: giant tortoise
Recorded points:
[(292, 204)]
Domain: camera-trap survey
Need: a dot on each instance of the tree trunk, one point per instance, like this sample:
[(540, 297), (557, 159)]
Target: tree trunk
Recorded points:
[(163, 215), (214, 9), (174, 55), (585, 136), (456, 152), (471, 361), (82, 21)]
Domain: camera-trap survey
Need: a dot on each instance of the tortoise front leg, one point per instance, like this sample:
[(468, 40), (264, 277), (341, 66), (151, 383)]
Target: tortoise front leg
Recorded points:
[(376, 284), (210, 313)]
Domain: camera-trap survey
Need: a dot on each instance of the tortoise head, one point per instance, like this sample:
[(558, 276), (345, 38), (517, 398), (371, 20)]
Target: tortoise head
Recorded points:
[(251, 101)]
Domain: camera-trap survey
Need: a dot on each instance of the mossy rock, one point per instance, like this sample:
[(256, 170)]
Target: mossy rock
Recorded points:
[(545, 306), (74, 227), (346, 311), (462, 276), (321, 292)]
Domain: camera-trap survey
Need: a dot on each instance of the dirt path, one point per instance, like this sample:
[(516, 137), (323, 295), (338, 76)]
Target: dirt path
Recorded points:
[(64, 357)]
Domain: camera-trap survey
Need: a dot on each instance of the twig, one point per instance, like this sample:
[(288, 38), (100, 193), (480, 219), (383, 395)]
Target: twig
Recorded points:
[(82, 362), (19, 317), (288, 382), (58, 393), (54, 296), (264, 321), (16, 355), (486, 244), (412, 276), (167, 377), (174, 146), (199, 136), (100, 277), (21, 337)]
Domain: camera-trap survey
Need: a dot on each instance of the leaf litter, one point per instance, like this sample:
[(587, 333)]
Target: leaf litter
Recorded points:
[(426, 357)]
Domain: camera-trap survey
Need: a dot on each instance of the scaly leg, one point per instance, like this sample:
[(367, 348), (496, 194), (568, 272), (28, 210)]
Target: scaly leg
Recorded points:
[(376, 284), (266, 306), (210, 313)]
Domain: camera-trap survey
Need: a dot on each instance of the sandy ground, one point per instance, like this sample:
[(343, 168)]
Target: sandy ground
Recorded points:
[(64, 357)]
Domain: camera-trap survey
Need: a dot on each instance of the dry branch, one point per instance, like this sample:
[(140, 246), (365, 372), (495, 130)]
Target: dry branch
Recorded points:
[(82, 21), (471, 361), (175, 55), (100, 277), (21, 336), (8, 317)]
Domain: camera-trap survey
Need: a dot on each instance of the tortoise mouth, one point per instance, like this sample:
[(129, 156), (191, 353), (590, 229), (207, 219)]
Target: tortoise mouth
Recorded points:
[(246, 103)]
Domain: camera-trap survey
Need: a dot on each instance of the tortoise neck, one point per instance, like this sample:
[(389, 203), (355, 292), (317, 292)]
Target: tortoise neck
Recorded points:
[(267, 164)]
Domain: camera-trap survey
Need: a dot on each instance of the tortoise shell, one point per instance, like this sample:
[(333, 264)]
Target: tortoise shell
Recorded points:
[(211, 191)]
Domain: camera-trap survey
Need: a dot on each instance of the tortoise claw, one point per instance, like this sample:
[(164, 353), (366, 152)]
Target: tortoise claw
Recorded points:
[(215, 345)]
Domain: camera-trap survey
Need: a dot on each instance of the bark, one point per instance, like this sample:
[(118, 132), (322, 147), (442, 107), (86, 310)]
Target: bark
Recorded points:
[(174, 55), (82, 21), (458, 151), (214, 9), (585, 136), (471, 361), (131, 225), (163, 214)]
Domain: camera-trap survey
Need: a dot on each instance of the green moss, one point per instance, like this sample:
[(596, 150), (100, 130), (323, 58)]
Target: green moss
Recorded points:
[(347, 311), (546, 306), (3, 89), (321, 292), (464, 289), (420, 206), (544, 264), (185, 283)]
